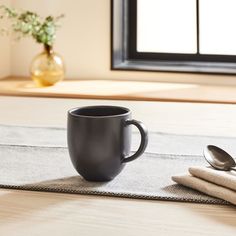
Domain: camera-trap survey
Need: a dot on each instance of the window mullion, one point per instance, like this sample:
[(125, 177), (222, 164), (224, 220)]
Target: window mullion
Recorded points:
[(198, 26)]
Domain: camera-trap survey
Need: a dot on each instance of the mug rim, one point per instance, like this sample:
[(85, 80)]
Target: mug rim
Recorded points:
[(70, 112)]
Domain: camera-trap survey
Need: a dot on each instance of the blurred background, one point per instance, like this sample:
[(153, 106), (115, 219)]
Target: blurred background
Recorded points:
[(84, 43)]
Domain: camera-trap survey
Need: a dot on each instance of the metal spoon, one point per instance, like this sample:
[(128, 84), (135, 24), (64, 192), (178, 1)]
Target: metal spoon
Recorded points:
[(218, 158)]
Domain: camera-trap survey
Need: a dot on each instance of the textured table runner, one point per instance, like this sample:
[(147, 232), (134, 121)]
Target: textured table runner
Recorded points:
[(37, 159)]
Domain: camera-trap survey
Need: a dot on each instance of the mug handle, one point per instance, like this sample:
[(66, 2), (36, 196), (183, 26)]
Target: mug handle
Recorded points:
[(144, 139)]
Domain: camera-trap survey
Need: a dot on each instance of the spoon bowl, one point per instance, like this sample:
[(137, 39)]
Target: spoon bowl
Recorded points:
[(218, 158)]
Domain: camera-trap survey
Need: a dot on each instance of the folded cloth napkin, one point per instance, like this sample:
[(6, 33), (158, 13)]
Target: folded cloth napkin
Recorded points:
[(216, 183)]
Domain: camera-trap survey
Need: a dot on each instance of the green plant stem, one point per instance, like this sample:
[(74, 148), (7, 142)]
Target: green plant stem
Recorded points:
[(48, 49)]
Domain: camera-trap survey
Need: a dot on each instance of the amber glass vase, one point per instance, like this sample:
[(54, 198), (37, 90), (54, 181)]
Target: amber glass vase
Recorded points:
[(47, 68)]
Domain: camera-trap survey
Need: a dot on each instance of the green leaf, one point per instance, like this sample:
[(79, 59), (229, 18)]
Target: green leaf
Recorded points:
[(27, 23)]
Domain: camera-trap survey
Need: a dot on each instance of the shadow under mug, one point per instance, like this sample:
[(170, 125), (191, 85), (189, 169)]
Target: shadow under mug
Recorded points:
[(99, 140)]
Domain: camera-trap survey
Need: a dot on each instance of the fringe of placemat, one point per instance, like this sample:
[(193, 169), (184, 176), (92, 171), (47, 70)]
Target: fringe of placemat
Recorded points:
[(112, 194)]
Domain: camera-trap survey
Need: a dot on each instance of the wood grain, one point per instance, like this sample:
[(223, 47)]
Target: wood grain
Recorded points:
[(121, 90), (34, 213), (24, 213)]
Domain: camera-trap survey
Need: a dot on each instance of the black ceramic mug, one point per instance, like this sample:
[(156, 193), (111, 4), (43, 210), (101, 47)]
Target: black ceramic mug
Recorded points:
[(99, 139)]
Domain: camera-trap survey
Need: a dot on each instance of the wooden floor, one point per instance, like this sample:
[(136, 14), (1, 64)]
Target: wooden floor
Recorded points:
[(39, 213), (121, 90)]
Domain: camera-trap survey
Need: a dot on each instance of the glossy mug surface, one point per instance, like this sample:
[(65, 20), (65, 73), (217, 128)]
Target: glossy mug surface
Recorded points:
[(99, 140)]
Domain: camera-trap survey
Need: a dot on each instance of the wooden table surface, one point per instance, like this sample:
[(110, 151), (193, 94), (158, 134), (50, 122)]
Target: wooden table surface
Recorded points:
[(39, 213)]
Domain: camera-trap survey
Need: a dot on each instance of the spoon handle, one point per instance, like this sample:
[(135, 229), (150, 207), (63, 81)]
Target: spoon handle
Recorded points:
[(233, 168)]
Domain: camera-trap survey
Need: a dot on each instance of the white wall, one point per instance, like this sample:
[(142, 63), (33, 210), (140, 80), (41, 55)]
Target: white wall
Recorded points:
[(4, 48), (84, 42)]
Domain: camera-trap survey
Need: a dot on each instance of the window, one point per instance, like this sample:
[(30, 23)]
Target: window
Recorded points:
[(174, 35)]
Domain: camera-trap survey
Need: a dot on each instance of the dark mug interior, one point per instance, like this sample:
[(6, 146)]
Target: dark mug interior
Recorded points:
[(99, 111)]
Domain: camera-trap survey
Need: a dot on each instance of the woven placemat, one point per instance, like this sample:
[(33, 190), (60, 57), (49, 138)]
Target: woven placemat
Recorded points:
[(37, 159)]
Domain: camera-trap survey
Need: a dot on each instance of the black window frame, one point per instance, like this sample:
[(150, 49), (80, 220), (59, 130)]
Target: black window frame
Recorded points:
[(124, 55)]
